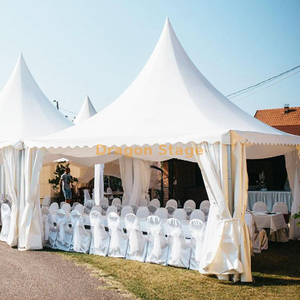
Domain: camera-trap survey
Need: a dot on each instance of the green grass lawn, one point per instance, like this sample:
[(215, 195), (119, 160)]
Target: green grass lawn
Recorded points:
[(276, 273)]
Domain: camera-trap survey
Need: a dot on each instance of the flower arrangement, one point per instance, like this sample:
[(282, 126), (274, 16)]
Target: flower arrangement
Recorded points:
[(261, 182)]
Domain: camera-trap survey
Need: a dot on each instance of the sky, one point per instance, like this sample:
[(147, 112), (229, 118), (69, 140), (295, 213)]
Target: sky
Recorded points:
[(76, 48)]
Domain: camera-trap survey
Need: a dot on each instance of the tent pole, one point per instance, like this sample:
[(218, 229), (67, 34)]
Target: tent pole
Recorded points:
[(230, 198)]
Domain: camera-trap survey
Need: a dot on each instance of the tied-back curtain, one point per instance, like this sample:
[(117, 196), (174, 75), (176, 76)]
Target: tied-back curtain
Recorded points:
[(225, 248), (11, 160), (99, 183), (2, 180), (141, 181), (31, 226), (292, 164), (240, 197), (126, 170)]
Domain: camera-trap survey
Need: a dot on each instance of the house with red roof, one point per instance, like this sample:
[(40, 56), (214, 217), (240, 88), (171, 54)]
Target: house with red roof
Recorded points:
[(286, 119)]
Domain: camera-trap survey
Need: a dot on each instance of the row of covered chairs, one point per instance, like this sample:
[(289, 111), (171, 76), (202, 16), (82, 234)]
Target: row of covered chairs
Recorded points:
[(154, 247), (141, 212), (277, 207)]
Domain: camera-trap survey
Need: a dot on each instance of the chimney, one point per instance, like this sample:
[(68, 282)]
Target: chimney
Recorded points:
[(286, 108)]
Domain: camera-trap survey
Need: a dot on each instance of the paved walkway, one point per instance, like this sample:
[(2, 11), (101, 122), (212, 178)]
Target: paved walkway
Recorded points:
[(44, 275)]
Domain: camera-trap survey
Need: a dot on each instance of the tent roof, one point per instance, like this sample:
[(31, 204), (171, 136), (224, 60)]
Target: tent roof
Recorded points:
[(170, 102), (86, 111), (24, 109)]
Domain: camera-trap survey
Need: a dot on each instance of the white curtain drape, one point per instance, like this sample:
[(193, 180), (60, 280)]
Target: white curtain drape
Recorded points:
[(99, 183), (226, 248), (126, 170), (12, 160), (141, 181), (31, 225), (292, 164), (2, 180)]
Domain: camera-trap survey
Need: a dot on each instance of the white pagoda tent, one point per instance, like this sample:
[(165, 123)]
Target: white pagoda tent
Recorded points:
[(25, 112), (86, 111), (171, 103)]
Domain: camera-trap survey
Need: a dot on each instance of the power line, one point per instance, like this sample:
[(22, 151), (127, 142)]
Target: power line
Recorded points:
[(266, 87), (71, 112), (242, 91)]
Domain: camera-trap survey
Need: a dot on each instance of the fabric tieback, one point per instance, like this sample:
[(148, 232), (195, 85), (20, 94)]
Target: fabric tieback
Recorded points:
[(114, 228), (176, 234), (155, 232), (198, 236), (99, 234), (133, 230)]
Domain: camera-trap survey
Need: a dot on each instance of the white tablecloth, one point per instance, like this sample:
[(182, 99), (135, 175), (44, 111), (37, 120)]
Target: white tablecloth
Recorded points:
[(143, 223), (273, 221), (270, 198)]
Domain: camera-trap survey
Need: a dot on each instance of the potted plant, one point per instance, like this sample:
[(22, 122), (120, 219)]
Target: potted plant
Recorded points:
[(261, 182)]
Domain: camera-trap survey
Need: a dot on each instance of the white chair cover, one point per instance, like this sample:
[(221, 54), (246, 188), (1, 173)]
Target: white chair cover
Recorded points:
[(97, 208), (197, 230), (50, 231), (179, 247), (172, 202), (89, 204), (142, 212), (143, 202), (100, 237), (258, 237), (46, 201), (66, 208), (155, 202), (5, 216), (152, 209), (162, 213), (104, 200), (53, 207), (111, 209), (64, 232), (87, 196), (81, 237), (205, 206), (158, 245), (79, 208), (118, 240), (197, 214), (134, 208), (74, 205), (281, 207), (190, 203), (126, 210), (180, 214), (137, 243), (260, 206), (125, 202), (62, 203), (116, 201), (170, 210)]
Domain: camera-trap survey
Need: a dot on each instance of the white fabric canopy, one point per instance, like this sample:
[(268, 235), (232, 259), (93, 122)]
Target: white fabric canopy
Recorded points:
[(190, 110), (27, 113), (25, 110), (86, 111), (171, 103)]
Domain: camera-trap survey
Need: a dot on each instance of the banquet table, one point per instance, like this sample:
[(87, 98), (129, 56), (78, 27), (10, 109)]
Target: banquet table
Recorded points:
[(274, 221), (270, 198), (142, 221)]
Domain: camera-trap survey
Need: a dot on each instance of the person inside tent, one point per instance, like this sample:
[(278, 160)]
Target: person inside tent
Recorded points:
[(66, 185)]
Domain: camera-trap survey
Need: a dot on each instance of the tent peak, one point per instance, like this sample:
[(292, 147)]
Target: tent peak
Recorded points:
[(86, 111)]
